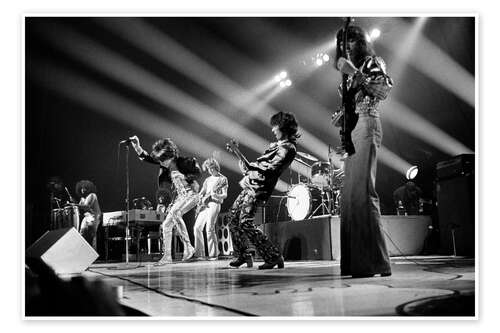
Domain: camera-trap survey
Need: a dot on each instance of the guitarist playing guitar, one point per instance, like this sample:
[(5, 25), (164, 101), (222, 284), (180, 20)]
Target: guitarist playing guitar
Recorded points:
[(365, 83), (212, 194), (259, 180), (345, 118)]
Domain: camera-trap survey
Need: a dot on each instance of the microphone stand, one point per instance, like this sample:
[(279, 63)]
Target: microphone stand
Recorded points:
[(127, 265)]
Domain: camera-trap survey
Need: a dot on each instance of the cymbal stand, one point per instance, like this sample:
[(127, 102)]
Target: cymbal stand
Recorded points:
[(324, 203)]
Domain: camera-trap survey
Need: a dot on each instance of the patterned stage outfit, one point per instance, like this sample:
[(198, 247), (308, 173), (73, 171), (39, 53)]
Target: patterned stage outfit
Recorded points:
[(258, 184), (182, 175), (363, 248)]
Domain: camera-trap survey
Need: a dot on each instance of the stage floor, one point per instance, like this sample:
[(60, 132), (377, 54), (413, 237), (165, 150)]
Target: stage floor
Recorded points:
[(430, 286)]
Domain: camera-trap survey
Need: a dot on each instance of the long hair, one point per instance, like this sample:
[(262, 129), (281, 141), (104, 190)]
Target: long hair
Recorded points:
[(210, 162), (164, 149), (287, 124), (362, 47), (91, 188)]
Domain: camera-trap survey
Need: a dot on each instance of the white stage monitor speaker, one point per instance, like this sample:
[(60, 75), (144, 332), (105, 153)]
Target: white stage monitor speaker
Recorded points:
[(64, 250)]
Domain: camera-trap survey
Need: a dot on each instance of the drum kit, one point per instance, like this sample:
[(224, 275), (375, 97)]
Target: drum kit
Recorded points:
[(319, 195)]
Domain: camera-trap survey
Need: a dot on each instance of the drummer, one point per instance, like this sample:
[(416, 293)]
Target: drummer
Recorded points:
[(86, 190)]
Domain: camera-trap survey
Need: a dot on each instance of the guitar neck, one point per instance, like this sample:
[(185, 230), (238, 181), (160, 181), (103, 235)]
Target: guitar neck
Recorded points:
[(241, 157)]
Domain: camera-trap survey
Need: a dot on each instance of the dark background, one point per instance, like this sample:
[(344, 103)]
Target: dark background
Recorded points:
[(68, 139)]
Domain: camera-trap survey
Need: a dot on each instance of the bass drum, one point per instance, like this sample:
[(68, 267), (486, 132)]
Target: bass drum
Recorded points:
[(302, 201)]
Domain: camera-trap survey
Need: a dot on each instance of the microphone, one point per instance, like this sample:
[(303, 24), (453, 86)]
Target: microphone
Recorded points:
[(127, 141)]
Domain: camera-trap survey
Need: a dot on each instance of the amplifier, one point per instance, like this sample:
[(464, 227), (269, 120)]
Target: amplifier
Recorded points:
[(459, 165)]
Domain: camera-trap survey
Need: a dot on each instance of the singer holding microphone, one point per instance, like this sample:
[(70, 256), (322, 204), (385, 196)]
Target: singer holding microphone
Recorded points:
[(182, 173), (363, 249)]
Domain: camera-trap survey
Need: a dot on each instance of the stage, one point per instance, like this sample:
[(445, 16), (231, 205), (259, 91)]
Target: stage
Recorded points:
[(419, 285)]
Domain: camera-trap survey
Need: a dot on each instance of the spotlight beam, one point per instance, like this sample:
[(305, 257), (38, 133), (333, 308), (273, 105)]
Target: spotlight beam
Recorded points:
[(93, 96), (167, 50), (393, 161), (124, 71), (408, 120), (254, 110), (433, 62)]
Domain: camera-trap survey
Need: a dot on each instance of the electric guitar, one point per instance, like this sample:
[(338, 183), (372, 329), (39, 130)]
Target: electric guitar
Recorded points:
[(203, 203), (233, 147), (251, 176)]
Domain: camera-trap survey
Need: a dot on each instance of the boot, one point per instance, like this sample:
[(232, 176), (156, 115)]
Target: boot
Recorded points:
[(270, 265), (241, 260), (167, 249), (166, 259), (188, 251)]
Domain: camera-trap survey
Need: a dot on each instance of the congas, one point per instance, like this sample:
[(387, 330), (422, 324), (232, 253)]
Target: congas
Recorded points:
[(320, 173), (302, 201), (56, 218), (70, 217)]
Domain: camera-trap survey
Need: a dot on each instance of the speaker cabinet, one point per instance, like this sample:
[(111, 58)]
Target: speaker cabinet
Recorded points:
[(224, 241), (456, 215), (64, 250)]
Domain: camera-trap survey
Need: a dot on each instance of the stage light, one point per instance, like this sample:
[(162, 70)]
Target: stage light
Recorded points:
[(282, 84), (374, 34), (283, 75), (326, 57), (277, 78), (319, 61), (412, 172), (288, 83)]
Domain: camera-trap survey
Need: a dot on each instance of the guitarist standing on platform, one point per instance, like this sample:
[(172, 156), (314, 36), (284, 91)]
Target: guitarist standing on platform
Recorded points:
[(259, 180), (363, 249), (212, 194)]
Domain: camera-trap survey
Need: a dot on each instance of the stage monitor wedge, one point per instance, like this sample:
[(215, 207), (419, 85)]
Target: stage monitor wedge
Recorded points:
[(64, 250)]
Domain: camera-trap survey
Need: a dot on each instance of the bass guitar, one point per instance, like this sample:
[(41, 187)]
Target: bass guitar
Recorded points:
[(346, 117)]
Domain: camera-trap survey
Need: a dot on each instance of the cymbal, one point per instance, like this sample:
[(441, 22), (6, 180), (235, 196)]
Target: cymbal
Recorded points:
[(306, 155), (301, 161)]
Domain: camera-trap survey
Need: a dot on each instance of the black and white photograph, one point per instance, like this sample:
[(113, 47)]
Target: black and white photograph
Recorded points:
[(226, 166)]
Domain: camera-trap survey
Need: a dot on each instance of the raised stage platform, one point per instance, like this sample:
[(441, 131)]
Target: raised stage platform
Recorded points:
[(428, 286), (319, 238)]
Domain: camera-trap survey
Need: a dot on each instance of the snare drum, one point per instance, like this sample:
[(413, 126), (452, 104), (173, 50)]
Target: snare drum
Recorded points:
[(302, 201), (320, 173)]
